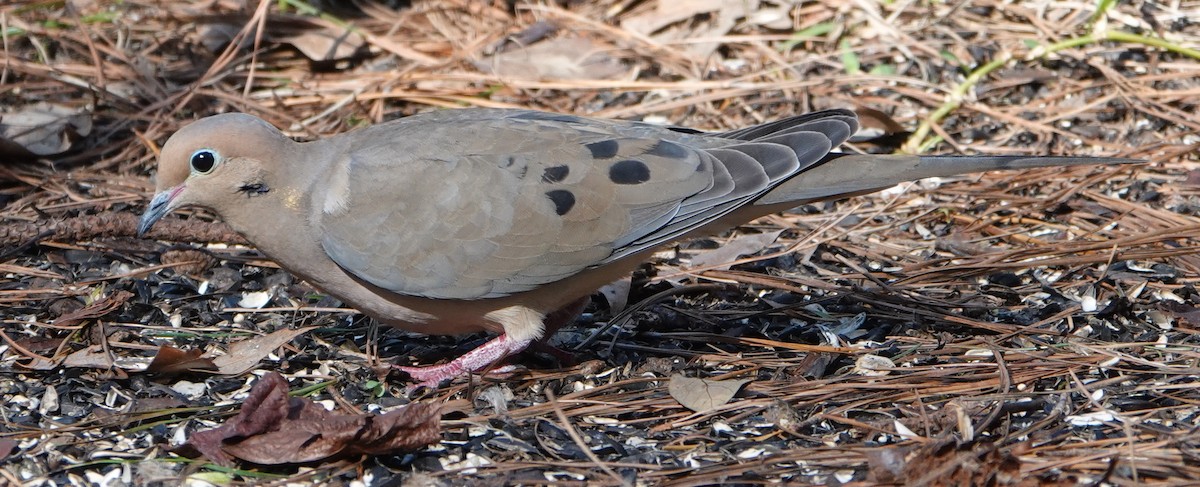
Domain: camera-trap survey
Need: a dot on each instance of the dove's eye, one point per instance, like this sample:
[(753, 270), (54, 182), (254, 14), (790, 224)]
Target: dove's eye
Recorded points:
[(204, 160)]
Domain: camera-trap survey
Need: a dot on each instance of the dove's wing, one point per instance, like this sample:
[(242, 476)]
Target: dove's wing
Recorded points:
[(470, 204)]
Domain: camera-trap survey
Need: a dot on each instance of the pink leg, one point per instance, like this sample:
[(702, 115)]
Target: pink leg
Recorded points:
[(493, 351), (475, 360)]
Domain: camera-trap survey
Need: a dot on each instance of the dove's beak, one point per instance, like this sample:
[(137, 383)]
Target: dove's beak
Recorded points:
[(159, 207)]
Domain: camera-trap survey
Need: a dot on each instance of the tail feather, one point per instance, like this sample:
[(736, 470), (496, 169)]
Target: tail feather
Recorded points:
[(846, 174), (810, 121)]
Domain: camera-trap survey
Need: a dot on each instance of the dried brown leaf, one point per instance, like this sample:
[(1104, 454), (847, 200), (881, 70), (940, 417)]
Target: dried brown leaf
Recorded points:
[(702, 395), (325, 43), (570, 58), (107, 305), (42, 129), (273, 428), (245, 355), (90, 357), (1180, 311), (317, 39), (171, 360), (947, 463), (7, 447), (748, 244), (669, 12)]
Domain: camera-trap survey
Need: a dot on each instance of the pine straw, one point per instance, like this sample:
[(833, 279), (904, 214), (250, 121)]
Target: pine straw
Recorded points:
[(975, 288)]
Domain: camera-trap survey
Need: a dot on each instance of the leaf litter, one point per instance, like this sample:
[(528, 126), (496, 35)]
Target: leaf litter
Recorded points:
[(273, 428), (972, 288)]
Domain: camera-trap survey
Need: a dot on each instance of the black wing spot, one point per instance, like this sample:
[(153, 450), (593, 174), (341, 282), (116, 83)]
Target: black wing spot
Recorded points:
[(563, 200), (605, 149), (555, 174), (683, 130), (669, 150), (629, 171)]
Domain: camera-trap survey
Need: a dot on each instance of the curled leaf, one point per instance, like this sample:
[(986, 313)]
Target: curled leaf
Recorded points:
[(273, 428)]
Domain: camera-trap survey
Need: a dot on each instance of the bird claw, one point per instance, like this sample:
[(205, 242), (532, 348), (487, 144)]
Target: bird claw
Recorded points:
[(477, 360), (431, 376)]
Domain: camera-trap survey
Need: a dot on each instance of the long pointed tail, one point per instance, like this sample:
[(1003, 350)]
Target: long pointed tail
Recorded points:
[(843, 175)]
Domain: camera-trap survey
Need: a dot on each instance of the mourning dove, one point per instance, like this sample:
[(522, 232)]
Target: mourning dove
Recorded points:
[(458, 221)]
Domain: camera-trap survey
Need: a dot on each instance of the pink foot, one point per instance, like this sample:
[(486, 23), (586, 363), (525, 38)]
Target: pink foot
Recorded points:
[(474, 361)]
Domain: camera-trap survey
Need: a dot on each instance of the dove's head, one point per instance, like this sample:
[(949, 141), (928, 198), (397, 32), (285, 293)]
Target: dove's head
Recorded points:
[(223, 163)]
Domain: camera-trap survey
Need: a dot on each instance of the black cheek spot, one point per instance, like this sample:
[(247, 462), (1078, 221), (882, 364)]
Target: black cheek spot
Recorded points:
[(605, 149), (556, 174), (254, 189), (669, 150), (629, 171), (563, 200)]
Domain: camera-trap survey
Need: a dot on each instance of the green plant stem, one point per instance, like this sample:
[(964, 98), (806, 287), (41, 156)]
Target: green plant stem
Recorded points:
[(920, 141), (915, 143), (1122, 36)]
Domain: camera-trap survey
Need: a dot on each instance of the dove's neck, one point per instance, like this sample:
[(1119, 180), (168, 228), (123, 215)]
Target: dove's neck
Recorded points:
[(282, 228)]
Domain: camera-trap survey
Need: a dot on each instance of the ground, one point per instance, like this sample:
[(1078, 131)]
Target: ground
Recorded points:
[(1025, 328)]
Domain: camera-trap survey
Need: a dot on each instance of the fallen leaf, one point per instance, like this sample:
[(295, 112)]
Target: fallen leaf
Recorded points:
[(245, 355), (743, 245), (96, 357), (537, 31), (617, 293), (171, 360), (7, 447), (702, 395), (39, 344), (1193, 178), (570, 58), (240, 357), (42, 129), (1181, 311), (101, 307), (874, 124), (947, 462), (273, 429), (714, 18), (90, 357), (317, 39), (148, 404), (669, 12)]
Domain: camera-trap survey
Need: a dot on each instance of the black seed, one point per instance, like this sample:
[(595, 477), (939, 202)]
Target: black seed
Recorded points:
[(555, 174), (604, 149), (669, 150), (563, 200), (629, 171)]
